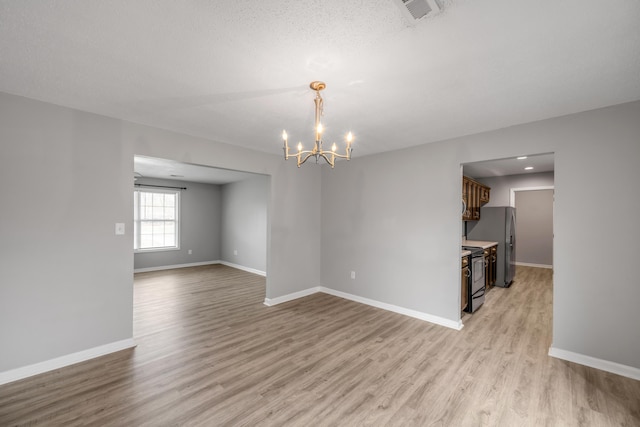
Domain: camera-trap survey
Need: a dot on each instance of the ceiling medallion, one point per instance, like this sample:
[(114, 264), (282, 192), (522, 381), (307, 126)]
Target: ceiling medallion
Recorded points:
[(317, 152)]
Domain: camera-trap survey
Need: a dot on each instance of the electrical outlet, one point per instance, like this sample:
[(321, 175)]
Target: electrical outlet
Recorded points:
[(189, 251), (235, 252), (119, 228), (353, 275)]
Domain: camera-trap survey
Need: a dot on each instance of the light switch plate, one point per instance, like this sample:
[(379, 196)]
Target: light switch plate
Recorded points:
[(119, 228)]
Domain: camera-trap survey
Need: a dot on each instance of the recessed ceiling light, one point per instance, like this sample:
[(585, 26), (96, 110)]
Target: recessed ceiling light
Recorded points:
[(528, 168), (521, 157)]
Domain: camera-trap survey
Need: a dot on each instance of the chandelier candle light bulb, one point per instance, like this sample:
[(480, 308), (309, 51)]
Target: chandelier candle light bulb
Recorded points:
[(317, 151)]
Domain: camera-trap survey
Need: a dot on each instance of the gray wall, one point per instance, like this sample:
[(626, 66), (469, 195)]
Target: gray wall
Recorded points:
[(244, 222), (200, 220), (534, 227), (501, 185), (394, 218), (66, 279), (381, 218)]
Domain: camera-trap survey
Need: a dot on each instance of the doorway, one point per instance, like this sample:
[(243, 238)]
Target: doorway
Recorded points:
[(223, 215), (521, 177)]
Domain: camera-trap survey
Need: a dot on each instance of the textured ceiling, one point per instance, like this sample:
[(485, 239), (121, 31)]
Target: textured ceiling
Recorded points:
[(238, 71)]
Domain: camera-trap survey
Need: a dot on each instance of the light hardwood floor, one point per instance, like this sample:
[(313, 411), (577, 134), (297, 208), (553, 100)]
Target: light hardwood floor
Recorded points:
[(210, 353)]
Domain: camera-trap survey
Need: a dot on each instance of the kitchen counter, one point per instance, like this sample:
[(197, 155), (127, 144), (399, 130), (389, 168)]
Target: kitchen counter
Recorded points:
[(478, 243), (465, 253)]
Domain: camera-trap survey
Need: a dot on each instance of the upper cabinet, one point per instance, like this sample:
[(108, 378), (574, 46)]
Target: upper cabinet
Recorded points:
[(474, 195), (484, 193)]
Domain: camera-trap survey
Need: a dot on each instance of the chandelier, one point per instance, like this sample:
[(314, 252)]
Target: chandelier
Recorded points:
[(317, 151)]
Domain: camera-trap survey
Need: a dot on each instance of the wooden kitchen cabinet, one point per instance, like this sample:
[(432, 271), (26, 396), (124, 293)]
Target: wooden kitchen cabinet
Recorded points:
[(486, 253), (465, 201), (490, 266), (485, 193), (475, 188), (474, 195), (493, 265), (466, 198), (465, 273)]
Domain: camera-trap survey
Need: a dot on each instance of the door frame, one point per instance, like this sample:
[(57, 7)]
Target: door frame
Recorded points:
[(512, 192)]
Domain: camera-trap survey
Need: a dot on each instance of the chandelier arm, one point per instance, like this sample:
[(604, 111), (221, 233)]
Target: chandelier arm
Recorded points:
[(324, 156), (309, 154), (299, 153), (288, 154)]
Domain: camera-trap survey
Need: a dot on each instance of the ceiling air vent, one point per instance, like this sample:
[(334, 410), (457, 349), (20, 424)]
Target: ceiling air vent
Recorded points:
[(416, 10)]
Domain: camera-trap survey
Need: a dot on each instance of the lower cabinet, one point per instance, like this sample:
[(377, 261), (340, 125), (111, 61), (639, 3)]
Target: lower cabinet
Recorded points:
[(465, 273), (490, 266), (487, 268), (494, 264)]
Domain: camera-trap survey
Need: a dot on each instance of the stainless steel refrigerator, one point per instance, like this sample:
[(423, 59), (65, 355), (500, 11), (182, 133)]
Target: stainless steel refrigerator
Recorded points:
[(498, 224)]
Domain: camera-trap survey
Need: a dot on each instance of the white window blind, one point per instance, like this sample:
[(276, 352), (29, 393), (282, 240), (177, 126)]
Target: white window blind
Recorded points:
[(156, 215)]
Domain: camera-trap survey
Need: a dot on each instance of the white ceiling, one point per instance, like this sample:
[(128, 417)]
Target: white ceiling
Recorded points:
[(511, 166), (237, 71), (150, 167)]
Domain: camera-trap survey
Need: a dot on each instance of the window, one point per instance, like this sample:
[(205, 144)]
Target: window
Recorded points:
[(156, 224)]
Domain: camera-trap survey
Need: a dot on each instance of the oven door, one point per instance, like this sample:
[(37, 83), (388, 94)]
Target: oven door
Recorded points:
[(477, 283)]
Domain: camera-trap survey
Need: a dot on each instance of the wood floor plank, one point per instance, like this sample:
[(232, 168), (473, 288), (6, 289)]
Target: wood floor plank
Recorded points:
[(210, 353)]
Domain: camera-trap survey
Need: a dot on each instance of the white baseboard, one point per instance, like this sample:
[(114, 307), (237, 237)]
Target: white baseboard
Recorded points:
[(171, 267), (603, 365), (67, 360), (196, 264), (396, 309), (241, 267), (528, 264), (389, 307), (290, 297)]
